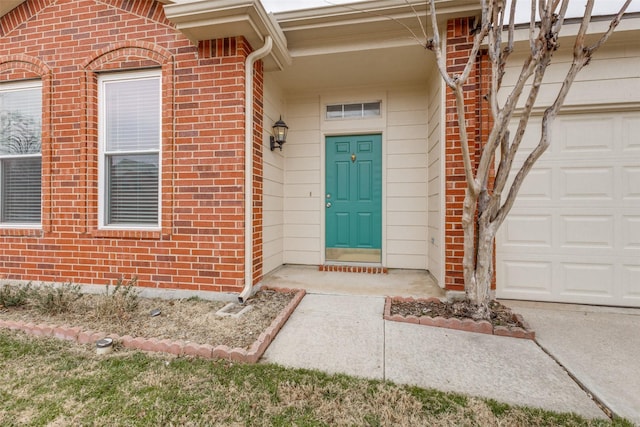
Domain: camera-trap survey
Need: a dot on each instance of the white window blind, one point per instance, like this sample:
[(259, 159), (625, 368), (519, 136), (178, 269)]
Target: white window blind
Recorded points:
[(20, 153), (131, 149)]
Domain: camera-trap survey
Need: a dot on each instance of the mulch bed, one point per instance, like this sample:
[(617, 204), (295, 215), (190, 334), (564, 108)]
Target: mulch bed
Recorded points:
[(457, 315), (186, 327)]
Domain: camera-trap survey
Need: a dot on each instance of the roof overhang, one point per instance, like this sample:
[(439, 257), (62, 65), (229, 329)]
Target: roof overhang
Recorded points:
[(627, 29), (213, 19), (7, 5), (367, 25)]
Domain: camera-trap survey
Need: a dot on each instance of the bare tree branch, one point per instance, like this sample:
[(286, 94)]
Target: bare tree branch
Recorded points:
[(581, 57), (435, 46), (612, 26)]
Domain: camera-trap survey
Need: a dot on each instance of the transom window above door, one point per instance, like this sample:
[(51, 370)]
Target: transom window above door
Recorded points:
[(358, 110), (130, 139), (21, 153)]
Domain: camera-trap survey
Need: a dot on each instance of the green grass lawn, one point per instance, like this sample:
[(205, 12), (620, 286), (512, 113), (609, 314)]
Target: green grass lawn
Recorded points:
[(51, 382)]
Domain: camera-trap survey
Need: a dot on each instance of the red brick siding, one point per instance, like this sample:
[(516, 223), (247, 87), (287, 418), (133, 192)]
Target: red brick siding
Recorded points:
[(200, 246), (258, 144), (477, 116)]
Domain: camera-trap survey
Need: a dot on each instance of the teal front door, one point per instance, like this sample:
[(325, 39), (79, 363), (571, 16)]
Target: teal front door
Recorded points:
[(353, 200)]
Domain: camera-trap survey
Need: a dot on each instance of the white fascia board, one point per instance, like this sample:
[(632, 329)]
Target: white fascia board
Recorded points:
[(629, 26), (598, 25), (214, 19)]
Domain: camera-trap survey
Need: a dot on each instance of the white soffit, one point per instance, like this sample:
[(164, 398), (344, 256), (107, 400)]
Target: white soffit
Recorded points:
[(214, 19)]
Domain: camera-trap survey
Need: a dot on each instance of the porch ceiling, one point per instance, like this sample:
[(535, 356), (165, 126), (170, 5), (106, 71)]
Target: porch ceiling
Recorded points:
[(384, 67), (377, 44)]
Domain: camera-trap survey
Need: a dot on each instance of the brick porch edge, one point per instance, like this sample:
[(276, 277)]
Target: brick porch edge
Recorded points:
[(468, 325), (207, 351)]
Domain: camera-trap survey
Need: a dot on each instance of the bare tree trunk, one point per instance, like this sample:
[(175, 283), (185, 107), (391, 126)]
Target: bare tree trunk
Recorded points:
[(484, 207)]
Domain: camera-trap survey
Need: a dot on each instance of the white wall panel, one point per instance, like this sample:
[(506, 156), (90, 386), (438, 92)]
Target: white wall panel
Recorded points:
[(273, 180), (435, 180)]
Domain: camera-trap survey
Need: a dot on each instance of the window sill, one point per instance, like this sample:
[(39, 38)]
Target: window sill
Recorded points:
[(21, 230), (128, 234)]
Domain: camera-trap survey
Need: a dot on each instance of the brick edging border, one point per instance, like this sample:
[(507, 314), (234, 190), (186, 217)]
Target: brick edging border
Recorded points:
[(179, 348), (353, 269), (468, 325)]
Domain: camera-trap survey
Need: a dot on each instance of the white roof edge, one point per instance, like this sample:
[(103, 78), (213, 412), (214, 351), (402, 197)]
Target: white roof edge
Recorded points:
[(211, 19), (598, 25), (381, 9)]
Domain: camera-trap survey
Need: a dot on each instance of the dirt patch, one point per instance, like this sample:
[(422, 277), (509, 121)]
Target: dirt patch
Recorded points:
[(500, 314), (188, 320)]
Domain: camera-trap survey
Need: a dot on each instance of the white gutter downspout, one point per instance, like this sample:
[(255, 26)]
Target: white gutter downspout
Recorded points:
[(248, 166)]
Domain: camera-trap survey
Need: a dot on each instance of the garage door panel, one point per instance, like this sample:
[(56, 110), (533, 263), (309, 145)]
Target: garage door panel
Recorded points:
[(589, 232), (537, 186), (631, 232), (631, 182), (595, 183), (573, 235), (630, 132), (581, 134), (586, 279), (526, 276), (527, 230), (631, 283), (531, 137)]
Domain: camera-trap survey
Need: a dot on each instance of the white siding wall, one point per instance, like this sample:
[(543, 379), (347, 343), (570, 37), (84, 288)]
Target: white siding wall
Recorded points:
[(404, 135), (598, 83), (273, 182), (302, 182), (406, 168), (435, 186)]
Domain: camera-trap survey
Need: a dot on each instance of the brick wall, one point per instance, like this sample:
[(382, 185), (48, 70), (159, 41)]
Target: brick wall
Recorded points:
[(67, 43), (477, 116)]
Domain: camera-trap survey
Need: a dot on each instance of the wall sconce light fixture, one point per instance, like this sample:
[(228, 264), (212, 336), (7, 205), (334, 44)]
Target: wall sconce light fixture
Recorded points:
[(279, 135)]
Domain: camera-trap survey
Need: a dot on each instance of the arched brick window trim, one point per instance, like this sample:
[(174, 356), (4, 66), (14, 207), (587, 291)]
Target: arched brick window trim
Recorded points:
[(129, 55), (23, 67)]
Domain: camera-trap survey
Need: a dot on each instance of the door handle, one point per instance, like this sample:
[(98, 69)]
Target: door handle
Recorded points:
[(328, 204)]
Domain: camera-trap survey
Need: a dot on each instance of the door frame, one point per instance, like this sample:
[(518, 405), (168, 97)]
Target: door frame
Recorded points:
[(323, 189)]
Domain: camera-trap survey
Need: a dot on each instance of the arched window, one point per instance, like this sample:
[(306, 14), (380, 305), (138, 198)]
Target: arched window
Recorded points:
[(21, 153), (129, 139)]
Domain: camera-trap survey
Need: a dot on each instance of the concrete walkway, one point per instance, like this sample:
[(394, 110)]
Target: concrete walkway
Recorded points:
[(346, 334), (599, 346)]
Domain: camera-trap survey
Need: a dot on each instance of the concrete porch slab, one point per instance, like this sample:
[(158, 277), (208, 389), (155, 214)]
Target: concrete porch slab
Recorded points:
[(414, 283)]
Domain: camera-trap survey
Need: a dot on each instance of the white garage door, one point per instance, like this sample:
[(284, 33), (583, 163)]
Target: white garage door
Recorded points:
[(574, 233)]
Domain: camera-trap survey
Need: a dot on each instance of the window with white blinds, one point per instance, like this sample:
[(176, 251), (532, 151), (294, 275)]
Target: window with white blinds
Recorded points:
[(21, 153), (130, 133)]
